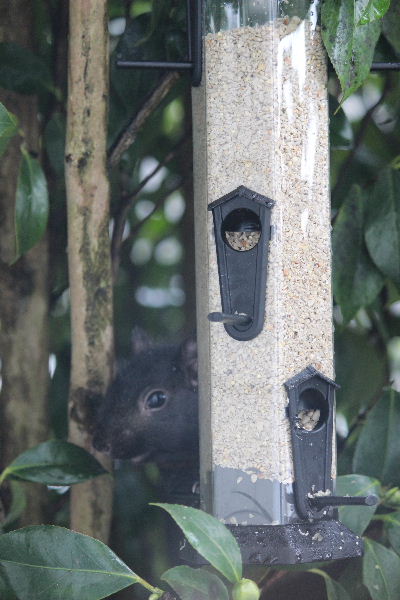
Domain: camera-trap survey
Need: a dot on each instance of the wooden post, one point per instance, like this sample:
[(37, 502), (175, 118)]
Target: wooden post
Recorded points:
[(88, 246)]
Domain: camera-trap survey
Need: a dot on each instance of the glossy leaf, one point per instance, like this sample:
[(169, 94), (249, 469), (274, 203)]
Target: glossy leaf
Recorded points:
[(391, 498), (377, 452), (374, 10), (350, 45), (382, 231), (21, 71), (357, 518), (381, 571), (391, 25), (54, 463), (356, 280), (53, 563), (350, 579), (8, 127), (195, 584), (18, 504), (392, 527), (334, 590), (6, 593), (360, 371), (32, 204), (210, 538)]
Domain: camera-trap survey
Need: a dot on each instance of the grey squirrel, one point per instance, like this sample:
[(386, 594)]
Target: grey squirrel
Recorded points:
[(150, 412)]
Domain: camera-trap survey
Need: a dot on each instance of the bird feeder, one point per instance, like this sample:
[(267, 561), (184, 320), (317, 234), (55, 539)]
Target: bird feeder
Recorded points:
[(261, 157), (261, 165)]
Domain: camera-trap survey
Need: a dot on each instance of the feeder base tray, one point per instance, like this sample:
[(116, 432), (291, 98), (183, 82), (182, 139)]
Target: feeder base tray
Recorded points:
[(291, 544)]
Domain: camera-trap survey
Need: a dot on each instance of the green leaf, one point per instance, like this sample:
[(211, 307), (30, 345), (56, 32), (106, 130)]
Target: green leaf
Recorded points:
[(357, 518), (392, 527), (377, 452), (8, 127), (374, 10), (356, 280), (195, 584), (350, 579), (334, 590), (53, 563), (360, 367), (54, 463), (18, 504), (391, 499), (350, 46), (391, 25), (32, 204), (6, 593), (382, 231), (381, 571), (210, 538), (21, 71)]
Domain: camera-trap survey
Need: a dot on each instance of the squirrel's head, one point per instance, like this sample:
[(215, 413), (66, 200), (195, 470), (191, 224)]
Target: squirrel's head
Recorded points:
[(150, 410)]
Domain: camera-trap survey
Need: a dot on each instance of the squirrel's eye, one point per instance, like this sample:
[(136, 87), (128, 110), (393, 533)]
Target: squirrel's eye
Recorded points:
[(156, 400)]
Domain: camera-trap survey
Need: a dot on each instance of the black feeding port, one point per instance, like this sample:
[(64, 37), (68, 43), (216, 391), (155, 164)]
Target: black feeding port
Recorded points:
[(311, 415), (242, 234), (241, 229), (312, 410)]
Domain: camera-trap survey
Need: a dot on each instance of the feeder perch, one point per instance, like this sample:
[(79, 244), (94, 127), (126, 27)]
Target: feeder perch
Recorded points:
[(242, 233)]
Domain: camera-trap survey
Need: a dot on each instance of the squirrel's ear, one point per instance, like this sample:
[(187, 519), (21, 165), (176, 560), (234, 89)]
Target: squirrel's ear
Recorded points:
[(188, 352), (140, 340)]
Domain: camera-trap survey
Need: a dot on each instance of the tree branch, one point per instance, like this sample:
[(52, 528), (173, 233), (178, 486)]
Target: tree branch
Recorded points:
[(269, 579), (128, 136), (24, 285), (139, 225), (127, 201), (359, 139), (157, 205)]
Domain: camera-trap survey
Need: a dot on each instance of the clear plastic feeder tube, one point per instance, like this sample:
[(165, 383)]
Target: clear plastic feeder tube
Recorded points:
[(261, 121)]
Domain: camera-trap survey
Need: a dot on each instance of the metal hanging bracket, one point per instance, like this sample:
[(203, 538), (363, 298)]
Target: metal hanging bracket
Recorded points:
[(385, 66), (194, 20)]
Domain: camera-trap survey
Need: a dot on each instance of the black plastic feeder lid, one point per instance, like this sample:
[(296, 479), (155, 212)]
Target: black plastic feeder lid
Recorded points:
[(243, 192), (306, 374)]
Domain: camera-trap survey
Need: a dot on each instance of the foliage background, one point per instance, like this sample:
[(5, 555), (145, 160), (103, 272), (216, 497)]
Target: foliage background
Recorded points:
[(154, 285)]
